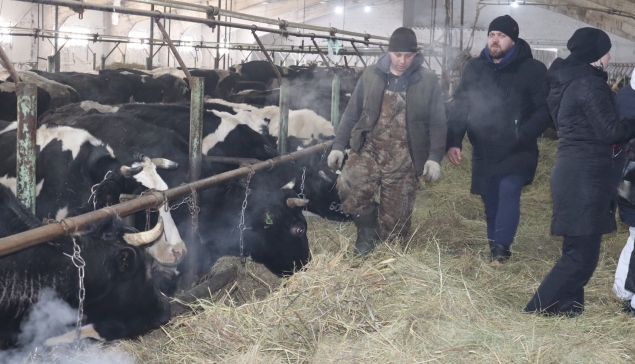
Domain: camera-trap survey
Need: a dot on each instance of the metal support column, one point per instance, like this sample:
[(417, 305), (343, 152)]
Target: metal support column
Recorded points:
[(283, 130), (50, 64), (197, 105), (25, 161), (57, 51), (151, 53), (176, 54), (94, 61), (335, 101)]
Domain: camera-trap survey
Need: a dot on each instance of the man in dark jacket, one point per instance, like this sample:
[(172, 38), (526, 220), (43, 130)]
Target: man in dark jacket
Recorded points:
[(624, 285), (396, 128), (501, 104), (587, 170)]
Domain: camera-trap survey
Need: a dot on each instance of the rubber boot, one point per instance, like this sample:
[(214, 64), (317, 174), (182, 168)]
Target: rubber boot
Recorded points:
[(367, 235), (499, 253)]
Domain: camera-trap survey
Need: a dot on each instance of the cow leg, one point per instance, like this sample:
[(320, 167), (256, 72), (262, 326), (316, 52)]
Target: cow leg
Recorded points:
[(87, 331)]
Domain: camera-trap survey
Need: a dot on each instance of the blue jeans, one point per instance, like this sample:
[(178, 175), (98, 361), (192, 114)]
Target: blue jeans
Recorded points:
[(502, 207)]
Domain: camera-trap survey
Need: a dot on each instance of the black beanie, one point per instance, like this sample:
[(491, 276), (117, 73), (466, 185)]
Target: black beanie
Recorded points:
[(403, 40), (589, 44), (505, 24)]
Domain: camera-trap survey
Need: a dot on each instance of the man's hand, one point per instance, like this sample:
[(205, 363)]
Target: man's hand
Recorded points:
[(454, 155), (335, 159), (431, 171)]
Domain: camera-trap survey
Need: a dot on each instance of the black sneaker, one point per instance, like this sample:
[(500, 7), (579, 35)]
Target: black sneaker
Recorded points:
[(499, 254), (626, 307)]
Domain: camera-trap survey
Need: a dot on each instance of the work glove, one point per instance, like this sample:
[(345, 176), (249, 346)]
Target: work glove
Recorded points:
[(336, 157), (431, 171)]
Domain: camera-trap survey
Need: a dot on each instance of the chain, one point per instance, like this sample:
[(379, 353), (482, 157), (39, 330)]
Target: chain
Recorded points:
[(79, 263), (93, 190), (241, 224), (322, 157), (301, 194)]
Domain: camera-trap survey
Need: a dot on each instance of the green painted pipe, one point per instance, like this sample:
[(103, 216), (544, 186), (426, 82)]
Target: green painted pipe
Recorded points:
[(335, 102), (26, 134)]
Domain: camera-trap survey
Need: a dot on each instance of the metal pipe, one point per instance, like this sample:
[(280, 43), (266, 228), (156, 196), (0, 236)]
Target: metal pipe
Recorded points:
[(335, 101), (283, 24), (191, 19), (26, 134), (68, 226), (50, 64), (231, 160), (217, 29), (462, 14), (197, 105), (283, 123), (151, 52), (56, 54), (176, 54), (326, 62), (273, 65), (6, 62), (358, 54)]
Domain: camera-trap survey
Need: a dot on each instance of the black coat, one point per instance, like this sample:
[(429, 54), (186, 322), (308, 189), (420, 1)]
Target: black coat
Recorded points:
[(625, 102), (503, 109), (586, 173)]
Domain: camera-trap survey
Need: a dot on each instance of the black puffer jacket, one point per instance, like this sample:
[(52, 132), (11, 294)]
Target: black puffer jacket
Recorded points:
[(503, 109), (588, 167)]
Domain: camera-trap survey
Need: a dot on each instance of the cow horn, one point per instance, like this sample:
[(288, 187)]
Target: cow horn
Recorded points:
[(128, 172), (297, 202), (289, 186), (145, 237), (163, 163), (325, 177)]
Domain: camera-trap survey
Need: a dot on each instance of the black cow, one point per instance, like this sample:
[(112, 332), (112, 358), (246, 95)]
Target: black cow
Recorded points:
[(277, 230), (90, 87), (144, 87), (9, 101), (69, 162), (121, 301)]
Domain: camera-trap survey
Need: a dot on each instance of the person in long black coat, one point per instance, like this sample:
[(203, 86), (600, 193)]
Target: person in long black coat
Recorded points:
[(587, 170), (501, 103)]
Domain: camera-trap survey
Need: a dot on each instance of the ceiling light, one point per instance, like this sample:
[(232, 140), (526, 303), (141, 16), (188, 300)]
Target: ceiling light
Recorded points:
[(339, 9), (367, 9), (514, 4)]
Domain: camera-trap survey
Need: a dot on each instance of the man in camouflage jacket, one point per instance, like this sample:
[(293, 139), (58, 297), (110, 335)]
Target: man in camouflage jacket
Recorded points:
[(395, 125)]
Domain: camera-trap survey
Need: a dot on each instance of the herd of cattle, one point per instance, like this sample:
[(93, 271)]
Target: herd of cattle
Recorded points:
[(122, 132)]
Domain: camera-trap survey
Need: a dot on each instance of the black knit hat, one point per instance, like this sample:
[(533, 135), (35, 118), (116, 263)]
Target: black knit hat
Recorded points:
[(589, 44), (505, 24), (403, 40)]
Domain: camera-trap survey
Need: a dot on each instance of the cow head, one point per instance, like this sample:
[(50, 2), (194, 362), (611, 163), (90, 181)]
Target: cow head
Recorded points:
[(121, 299), (278, 229)]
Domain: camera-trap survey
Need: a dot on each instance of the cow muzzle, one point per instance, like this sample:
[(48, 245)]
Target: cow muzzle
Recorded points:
[(145, 237)]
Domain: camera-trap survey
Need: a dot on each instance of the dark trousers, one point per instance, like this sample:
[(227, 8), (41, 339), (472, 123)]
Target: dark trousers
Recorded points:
[(502, 207), (562, 290)]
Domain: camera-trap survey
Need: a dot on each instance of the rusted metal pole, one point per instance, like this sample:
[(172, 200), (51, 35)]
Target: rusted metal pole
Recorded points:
[(26, 134), (6, 62), (197, 105), (71, 225), (273, 65), (335, 101), (283, 123), (176, 54)]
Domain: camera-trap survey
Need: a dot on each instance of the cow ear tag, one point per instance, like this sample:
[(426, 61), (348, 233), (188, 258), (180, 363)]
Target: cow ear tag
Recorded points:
[(268, 220)]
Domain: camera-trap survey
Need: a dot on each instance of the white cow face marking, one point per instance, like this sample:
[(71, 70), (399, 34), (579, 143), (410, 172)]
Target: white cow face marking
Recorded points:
[(227, 124), (169, 249)]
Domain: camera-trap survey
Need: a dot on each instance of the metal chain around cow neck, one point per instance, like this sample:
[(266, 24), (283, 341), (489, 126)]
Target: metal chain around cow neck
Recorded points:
[(241, 224), (301, 194), (93, 190), (79, 263)]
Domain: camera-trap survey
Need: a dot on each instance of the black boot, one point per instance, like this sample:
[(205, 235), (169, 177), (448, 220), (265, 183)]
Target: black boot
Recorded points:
[(499, 253), (367, 227)]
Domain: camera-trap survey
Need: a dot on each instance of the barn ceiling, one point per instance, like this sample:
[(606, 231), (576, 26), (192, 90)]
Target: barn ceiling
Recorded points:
[(621, 22)]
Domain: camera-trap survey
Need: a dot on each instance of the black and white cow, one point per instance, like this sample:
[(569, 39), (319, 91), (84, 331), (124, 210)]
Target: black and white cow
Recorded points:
[(143, 86), (218, 83), (276, 235), (121, 300), (9, 101), (70, 162), (59, 94)]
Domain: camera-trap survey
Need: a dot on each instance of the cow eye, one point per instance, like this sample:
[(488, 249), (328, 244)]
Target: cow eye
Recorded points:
[(298, 230)]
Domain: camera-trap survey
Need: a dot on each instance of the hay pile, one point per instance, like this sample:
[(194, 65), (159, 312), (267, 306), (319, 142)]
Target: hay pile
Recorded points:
[(430, 298)]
